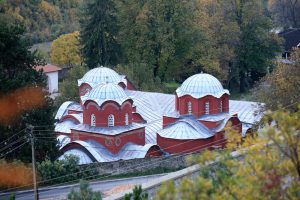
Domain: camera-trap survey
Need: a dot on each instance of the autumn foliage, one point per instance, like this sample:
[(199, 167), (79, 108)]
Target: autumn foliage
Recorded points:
[(14, 174), (14, 104)]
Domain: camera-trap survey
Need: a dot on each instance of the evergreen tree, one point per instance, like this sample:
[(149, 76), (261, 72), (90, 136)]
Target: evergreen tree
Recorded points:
[(98, 34), (21, 101), (257, 45)]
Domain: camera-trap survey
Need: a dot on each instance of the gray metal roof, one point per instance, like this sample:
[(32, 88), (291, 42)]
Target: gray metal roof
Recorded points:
[(106, 92), (200, 85), (108, 130), (63, 140), (65, 126), (186, 129), (101, 75), (63, 109), (83, 157), (248, 112), (101, 154)]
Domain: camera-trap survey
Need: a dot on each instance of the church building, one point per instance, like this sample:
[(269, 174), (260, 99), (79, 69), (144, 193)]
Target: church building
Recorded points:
[(114, 121)]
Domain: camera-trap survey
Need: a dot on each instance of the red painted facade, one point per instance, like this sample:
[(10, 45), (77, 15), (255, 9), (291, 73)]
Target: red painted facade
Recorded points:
[(84, 88), (174, 146), (113, 143), (198, 105), (180, 146), (106, 109)]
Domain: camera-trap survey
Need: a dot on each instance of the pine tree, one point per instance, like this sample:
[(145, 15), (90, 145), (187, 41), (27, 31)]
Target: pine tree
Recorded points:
[(22, 101), (98, 34)]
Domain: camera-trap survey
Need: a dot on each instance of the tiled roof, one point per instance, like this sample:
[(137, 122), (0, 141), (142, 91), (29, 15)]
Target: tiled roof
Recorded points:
[(48, 68)]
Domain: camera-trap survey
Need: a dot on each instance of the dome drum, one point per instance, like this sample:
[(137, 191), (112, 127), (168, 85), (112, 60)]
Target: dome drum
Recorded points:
[(201, 94)]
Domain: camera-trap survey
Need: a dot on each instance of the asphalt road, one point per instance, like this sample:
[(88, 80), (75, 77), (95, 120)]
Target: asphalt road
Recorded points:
[(62, 191)]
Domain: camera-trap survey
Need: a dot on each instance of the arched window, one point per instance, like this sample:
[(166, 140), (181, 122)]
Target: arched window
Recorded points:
[(93, 120), (221, 106), (189, 108), (126, 119), (206, 108), (111, 121)]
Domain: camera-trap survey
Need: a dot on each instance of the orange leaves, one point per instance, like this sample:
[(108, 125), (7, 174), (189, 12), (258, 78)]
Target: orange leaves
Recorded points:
[(14, 174), (14, 104)]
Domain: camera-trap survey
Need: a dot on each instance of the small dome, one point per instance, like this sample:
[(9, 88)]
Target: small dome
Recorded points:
[(106, 92), (100, 75), (200, 85)]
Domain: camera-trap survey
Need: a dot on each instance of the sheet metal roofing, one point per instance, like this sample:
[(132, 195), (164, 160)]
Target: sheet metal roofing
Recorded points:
[(200, 85), (101, 154), (108, 130), (100, 75), (83, 157), (63, 109), (186, 129), (65, 126), (106, 92)]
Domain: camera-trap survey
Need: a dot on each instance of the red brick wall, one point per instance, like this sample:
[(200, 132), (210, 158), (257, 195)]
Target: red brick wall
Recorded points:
[(136, 117), (168, 120), (154, 151), (174, 146), (83, 89), (69, 117), (209, 124), (130, 85), (198, 105), (112, 143), (106, 109)]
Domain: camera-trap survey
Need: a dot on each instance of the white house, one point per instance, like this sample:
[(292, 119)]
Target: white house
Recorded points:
[(52, 73)]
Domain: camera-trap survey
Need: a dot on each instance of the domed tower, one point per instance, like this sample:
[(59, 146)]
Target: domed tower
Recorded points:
[(107, 105), (98, 76), (202, 94)]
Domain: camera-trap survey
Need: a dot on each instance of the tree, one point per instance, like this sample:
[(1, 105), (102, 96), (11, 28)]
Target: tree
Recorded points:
[(257, 45), (85, 192), (69, 87), (60, 171), (163, 36), (65, 50), (284, 12), (282, 86), (98, 34), (19, 90), (137, 194), (252, 176)]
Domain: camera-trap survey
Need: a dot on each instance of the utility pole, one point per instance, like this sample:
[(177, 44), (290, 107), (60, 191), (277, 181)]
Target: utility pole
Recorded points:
[(36, 197)]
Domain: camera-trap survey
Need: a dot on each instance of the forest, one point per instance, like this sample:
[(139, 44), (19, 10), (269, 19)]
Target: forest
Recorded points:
[(162, 41)]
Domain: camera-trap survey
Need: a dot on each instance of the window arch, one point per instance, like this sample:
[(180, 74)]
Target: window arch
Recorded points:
[(126, 119), (111, 120), (93, 120), (221, 106), (207, 108), (189, 108)]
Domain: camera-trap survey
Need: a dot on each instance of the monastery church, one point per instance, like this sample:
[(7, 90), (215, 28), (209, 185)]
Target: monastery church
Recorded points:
[(114, 121)]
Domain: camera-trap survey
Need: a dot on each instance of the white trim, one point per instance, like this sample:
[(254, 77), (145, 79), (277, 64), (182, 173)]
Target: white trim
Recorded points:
[(111, 120)]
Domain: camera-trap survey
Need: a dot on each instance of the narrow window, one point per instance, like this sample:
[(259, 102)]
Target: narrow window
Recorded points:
[(126, 119), (189, 108), (221, 106), (93, 120), (111, 121), (206, 108)]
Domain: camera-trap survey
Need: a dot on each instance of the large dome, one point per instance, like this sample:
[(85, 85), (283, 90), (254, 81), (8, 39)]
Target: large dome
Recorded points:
[(106, 92), (100, 75), (200, 85)]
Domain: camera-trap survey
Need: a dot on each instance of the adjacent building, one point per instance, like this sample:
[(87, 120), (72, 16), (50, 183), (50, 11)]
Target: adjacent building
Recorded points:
[(51, 72), (113, 121)]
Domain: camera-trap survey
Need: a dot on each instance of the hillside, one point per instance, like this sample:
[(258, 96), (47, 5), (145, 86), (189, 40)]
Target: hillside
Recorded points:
[(45, 20)]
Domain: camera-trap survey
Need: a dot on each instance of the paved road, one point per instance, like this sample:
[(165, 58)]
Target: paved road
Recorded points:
[(62, 191)]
